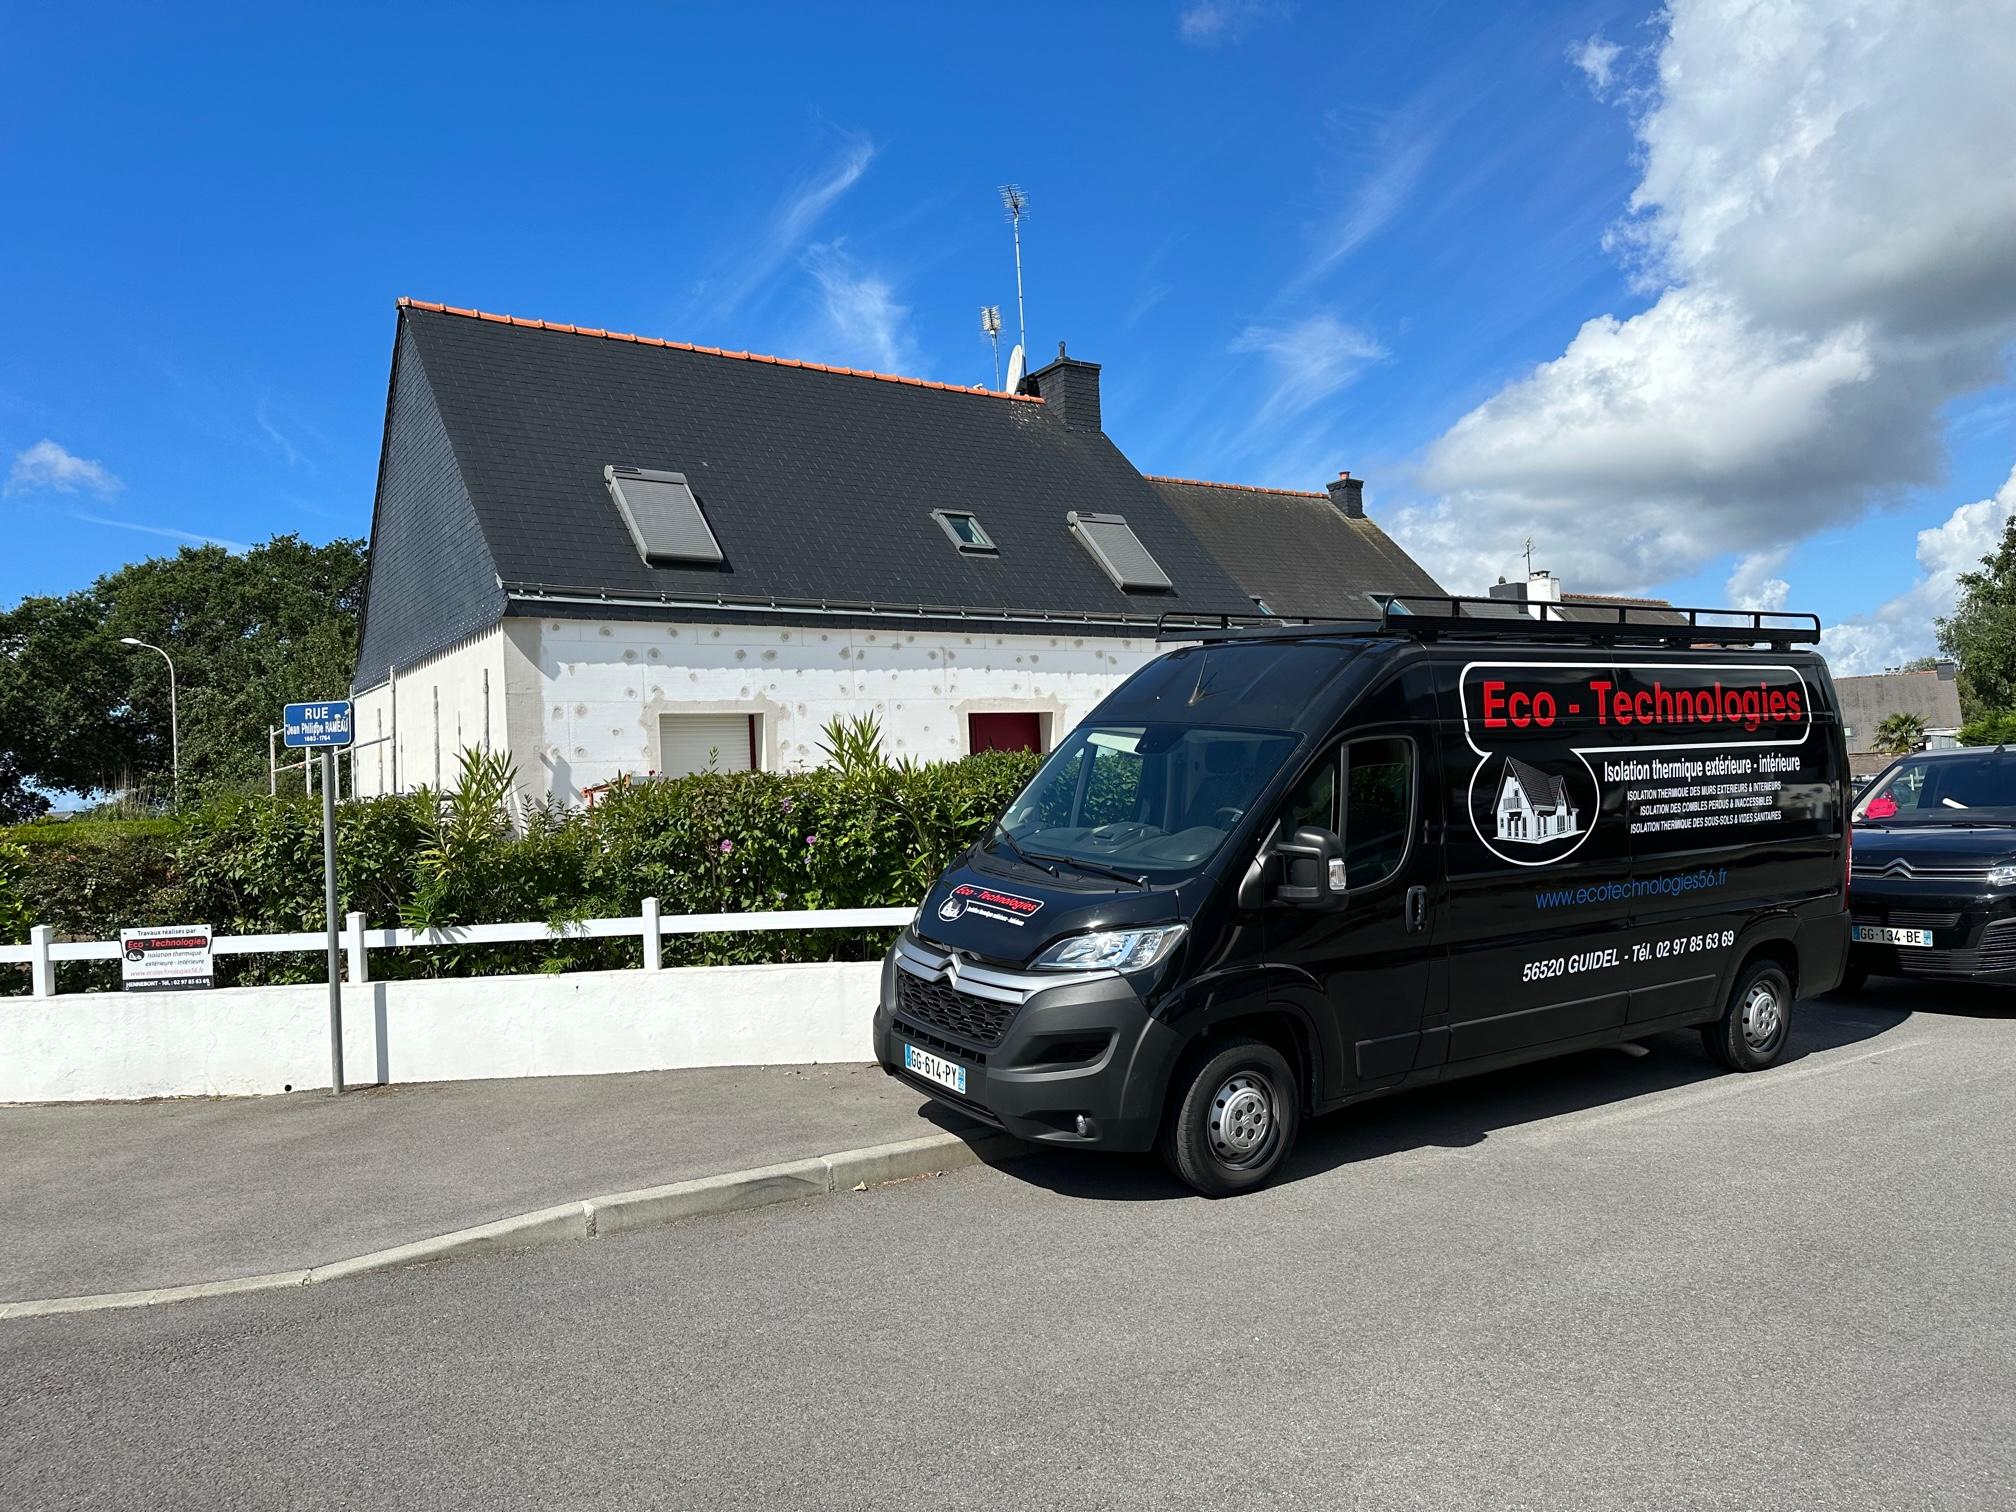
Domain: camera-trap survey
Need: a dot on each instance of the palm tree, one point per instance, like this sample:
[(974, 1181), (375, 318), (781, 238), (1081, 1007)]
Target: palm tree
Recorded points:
[(1899, 733)]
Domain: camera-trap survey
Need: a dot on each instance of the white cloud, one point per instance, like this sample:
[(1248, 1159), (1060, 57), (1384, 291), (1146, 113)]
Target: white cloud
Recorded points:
[(1207, 23), (1307, 360), (48, 465), (865, 326), (191, 536), (1905, 627), (1597, 57), (1375, 200), (1755, 583), (793, 220), (262, 412), (1827, 214)]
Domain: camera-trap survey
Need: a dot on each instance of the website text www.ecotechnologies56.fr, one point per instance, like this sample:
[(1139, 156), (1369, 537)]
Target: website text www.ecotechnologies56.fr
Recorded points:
[(1674, 885)]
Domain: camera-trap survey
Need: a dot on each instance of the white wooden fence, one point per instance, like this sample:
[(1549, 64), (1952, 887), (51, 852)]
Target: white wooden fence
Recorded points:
[(44, 951)]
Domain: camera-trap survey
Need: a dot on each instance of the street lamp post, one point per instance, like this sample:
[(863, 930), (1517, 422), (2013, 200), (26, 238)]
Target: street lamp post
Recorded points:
[(174, 712)]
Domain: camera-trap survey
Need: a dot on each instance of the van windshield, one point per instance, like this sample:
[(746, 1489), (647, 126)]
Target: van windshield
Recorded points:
[(1153, 801), (1944, 790)]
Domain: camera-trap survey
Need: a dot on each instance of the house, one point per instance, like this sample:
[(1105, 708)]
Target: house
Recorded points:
[(1932, 694), (615, 555), (1533, 805), (1295, 552), (1542, 587)]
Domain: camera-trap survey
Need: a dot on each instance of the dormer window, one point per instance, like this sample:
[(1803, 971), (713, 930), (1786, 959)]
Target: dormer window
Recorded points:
[(965, 531)]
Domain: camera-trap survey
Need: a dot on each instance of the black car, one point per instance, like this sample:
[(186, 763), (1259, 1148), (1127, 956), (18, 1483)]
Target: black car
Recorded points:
[(1933, 888), (1285, 868)]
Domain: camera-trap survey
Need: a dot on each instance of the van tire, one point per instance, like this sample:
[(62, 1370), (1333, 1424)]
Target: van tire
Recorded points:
[(1250, 1081), (1757, 1022)]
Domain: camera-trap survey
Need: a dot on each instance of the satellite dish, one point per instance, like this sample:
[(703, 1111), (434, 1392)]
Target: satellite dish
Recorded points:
[(1015, 365)]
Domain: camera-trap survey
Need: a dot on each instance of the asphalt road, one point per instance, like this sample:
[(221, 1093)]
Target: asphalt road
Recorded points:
[(1599, 1283)]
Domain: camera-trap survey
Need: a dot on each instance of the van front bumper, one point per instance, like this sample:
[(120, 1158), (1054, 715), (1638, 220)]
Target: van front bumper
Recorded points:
[(1052, 1058)]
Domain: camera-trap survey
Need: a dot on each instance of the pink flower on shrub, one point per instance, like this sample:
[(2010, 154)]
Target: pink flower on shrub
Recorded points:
[(727, 846), (811, 839), (787, 805)]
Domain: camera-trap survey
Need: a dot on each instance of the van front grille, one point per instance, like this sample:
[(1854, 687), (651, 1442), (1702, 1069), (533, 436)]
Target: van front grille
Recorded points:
[(1918, 918), (1996, 952), (945, 1008)]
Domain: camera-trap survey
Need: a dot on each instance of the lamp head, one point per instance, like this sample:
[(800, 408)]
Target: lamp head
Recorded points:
[(128, 640)]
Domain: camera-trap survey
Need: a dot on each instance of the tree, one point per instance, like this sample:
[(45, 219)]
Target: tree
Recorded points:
[(248, 632), (1898, 733), (1992, 730), (1981, 632)]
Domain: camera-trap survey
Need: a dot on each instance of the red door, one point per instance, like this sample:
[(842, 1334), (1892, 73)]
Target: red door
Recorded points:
[(1005, 732)]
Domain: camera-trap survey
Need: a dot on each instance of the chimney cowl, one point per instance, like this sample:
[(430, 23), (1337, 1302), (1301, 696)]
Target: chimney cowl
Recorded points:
[(1348, 494)]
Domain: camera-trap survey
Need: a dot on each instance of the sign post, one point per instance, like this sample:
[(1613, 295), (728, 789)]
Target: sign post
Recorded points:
[(326, 727)]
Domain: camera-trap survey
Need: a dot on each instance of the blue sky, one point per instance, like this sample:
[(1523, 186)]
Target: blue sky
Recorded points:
[(1299, 237)]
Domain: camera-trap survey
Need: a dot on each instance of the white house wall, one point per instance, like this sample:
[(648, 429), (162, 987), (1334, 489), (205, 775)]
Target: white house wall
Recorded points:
[(445, 704), (604, 684)]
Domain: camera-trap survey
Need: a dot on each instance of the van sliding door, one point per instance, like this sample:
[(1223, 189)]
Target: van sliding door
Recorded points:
[(1538, 861)]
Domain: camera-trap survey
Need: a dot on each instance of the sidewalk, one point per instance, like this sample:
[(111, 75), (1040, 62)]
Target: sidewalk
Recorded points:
[(105, 1197)]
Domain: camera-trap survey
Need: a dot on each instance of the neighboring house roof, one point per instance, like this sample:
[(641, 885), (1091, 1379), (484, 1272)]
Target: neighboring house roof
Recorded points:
[(1599, 608), (819, 484), (1293, 549), (1543, 790), (1866, 701)]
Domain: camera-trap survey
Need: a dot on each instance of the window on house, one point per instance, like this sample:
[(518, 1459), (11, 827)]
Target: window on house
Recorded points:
[(663, 516), (965, 531), (689, 743), (1260, 604), (1004, 732), (1118, 551)]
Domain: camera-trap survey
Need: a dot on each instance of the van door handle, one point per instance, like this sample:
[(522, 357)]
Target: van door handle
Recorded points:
[(1417, 908)]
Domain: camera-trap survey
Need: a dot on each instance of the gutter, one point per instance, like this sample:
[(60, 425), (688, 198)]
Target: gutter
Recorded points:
[(548, 593)]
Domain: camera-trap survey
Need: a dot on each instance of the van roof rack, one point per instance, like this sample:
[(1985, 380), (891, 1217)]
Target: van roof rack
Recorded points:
[(1454, 617)]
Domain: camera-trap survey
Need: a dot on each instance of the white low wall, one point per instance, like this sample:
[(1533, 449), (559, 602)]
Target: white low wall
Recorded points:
[(254, 1040)]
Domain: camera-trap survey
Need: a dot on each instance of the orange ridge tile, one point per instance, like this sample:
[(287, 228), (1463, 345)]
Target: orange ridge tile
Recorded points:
[(407, 303)]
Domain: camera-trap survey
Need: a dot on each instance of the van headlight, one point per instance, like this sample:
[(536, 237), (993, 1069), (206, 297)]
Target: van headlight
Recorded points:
[(2002, 874), (1111, 949)]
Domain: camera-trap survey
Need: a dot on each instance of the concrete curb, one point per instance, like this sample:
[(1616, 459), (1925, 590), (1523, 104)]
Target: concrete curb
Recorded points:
[(593, 1217)]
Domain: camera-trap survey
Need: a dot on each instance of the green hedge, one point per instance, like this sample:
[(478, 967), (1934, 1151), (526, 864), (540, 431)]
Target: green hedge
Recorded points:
[(867, 834)]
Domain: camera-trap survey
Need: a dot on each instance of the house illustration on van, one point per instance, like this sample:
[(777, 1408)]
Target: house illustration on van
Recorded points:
[(1533, 805)]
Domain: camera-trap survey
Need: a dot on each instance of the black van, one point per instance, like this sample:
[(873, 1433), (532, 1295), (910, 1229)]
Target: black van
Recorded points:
[(1289, 866)]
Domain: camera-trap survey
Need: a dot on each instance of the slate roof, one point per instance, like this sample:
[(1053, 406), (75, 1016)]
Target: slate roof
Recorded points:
[(1543, 790), (1295, 550), (818, 482)]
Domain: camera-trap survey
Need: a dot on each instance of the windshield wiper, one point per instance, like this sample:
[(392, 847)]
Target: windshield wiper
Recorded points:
[(1081, 864), (1006, 841)]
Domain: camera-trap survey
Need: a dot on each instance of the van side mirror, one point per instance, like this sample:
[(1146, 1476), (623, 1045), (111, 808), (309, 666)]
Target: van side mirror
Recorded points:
[(1314, 860)]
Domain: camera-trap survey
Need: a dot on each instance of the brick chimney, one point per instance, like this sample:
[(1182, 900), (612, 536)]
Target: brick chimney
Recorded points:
[(1348, 494), (1069, 389)]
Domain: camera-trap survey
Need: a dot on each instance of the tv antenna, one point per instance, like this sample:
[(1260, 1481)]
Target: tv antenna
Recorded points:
[(1016, 203), (990, 327)]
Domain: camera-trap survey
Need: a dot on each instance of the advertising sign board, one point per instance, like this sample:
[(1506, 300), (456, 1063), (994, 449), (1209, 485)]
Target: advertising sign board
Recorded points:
[(173, 958)]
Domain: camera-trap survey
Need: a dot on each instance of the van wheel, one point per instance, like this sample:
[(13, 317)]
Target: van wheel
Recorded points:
[(1235, 1119), (1753, 1029)]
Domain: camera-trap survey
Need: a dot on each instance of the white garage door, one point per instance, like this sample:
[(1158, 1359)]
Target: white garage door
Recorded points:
[(693, 742)]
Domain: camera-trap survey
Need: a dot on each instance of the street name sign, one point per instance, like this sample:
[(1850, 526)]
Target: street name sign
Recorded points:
[(314, 726)]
